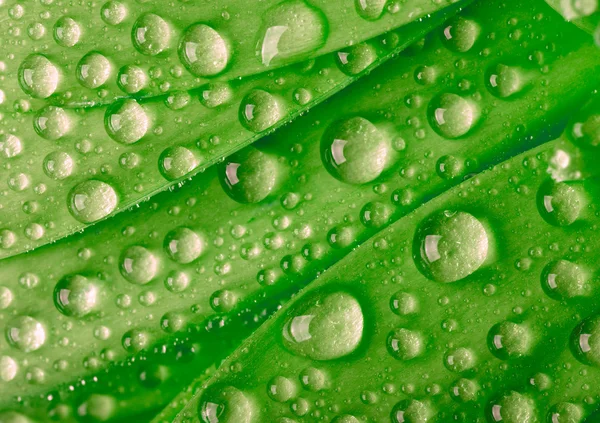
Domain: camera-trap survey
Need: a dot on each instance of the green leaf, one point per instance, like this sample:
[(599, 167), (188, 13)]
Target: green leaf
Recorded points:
[(479, 306), (581, 13), (69, 168), (88, 53), (217, 254)]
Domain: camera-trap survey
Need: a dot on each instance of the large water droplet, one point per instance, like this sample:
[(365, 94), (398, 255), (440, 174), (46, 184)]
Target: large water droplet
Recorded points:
[(76, 295), (355, 151), (25, 333), (291, 30), (411, 411), (510, 340), (92, 200), (452, 116), (66, 32), (38, 76), (183, 245), (249, 176), (203, 51), (10, 146), (93, 70), (58, 165), (113, 12), (585, 341), (512, 407), (52, 123), (325, 327), (356, 59), (226, 404), (560, 204), (281, 389), (151, 34), (449, 246), (176, 162), (8, 369), (260, 110), (126, 121), (138, 265), (565, 412), (370, 9), (405, 344), (563, 280), (505, 81), (132, 79), (460, 34)]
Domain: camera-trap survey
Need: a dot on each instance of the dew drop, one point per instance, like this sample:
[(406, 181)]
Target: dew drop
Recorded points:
[(325, 327), (184, 245), (370, 10), (281, 389), (560, 204), (405, 344), (176, 162), (249, 176), (113, 12), (464, 390), (52, 123), (565, 412), (58, 165), (203, 51), (460, 34), (151, 34), (411, 411), (138, 265), (10, 146), (355, 151), (375, 214), (225, 404), (66, 32), (512, 407), (93, 70), (135, 340), (260, 111), (132, 79), (92, 200), (126, 122), (8, 370), (313, 379), (508, 340), (449, 246), (291, 30), (76, 295), (452, 116), (356, 59), (585, 341), (38, 76), (459, 360), (177, 281), (505, 81), (216, 94), (563, 280), (6, 297), (25, 333)]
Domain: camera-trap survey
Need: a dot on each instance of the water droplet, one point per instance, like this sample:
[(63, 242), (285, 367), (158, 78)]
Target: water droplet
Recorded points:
[(509, 340), (291, 30), (135, 340), (452, 116), (313, 379), (405, 344), (25, 333), (565, 412), (464, 390), (370, 10), (460, 34), (177, 281), (126, 121), (151, 34), (176, 162), (8, 370), (346, 418), (113, 12), (10, 146), (92, 200), (138, 265), (426, 75), (449, 246), (585, 341), (325, 327), (226, 404), (93, 70), (356, 59), (66, 32), (38, 76), (560, 204), (512, 407), (203, 51), (183, 245), (355, 151), (216, 94), (281, 389), (585, 130), (505, 81), (411, 411), (6, 297), (132, 79), (375, 214), (58, 165), (249, 176), (459, 360), (260, 110), (18, 182), (403, 303), (563, 280), (52, 123), (76, 295), (99, 408), (449, 167)]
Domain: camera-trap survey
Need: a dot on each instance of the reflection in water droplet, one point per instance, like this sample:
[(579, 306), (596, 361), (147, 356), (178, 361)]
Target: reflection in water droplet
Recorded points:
[(563, 280), (452, 116), (151, 34), (225, 404), (260, 110), (325, 327), (460, 34), (126, 121), (356, 59), (203, 51), (93, 70), (25, 333), (510, 340), (291, 30), (138, 265), (92, 200), (449, 246), (38, 76), (76, 295), (561, 204), (512, 407)]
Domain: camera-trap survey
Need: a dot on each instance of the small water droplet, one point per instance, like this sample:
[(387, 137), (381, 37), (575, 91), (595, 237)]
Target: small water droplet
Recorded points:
[(92, 200), (138, 265), (452, 116)]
